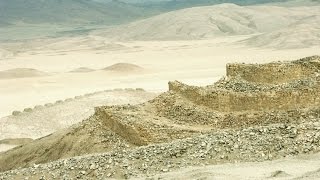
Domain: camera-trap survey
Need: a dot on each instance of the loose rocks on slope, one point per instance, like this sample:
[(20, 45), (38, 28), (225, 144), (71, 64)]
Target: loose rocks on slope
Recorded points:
[(236, 119)]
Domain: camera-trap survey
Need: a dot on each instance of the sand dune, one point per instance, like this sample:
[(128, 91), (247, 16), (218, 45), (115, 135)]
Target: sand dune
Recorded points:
[(21, 73), (124, 68), (82, 70), (210, 22)]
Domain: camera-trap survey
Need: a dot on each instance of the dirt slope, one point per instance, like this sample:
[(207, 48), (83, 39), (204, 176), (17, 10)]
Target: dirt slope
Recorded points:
[(42, 120)]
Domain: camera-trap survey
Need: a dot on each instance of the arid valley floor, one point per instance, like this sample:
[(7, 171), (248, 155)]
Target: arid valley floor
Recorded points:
[(213, 92)]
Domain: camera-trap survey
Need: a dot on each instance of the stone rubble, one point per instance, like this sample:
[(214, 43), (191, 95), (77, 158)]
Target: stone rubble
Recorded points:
[(254, 144)]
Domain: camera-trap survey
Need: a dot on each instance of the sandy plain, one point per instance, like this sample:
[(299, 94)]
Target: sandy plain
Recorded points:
[(198, 62)]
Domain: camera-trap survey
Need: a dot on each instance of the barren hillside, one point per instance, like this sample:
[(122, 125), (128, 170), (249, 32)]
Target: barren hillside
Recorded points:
[(210, 22), (302, 34)]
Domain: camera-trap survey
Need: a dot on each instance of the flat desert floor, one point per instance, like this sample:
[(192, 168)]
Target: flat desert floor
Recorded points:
[(197, 62), (302, 167)]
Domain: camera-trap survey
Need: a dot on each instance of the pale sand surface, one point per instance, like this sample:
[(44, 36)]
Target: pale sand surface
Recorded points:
[(6, 147), (301, 167), (194, 62), (45, 120)]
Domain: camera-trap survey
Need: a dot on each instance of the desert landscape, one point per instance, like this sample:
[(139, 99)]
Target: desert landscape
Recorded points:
[(159, 89)]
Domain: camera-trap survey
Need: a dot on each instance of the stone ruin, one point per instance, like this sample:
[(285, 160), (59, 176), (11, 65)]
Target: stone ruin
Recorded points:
[(246, 98), (276, 72), (250, 94), (273, 86)]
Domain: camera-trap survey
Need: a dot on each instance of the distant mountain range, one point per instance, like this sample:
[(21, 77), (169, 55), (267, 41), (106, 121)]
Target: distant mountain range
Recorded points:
[(271, 26), (69, 11), (106, 12), (169, 5), (28, 19)]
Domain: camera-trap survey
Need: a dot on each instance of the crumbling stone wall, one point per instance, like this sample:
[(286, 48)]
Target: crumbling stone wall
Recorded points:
[(273, 86), (229, 101), (130, 133), (275, 73)]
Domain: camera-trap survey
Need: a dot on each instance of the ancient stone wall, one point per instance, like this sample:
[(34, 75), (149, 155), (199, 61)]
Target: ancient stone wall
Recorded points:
[(126, 131), (229, 101), (273, 86), (275, 73)]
